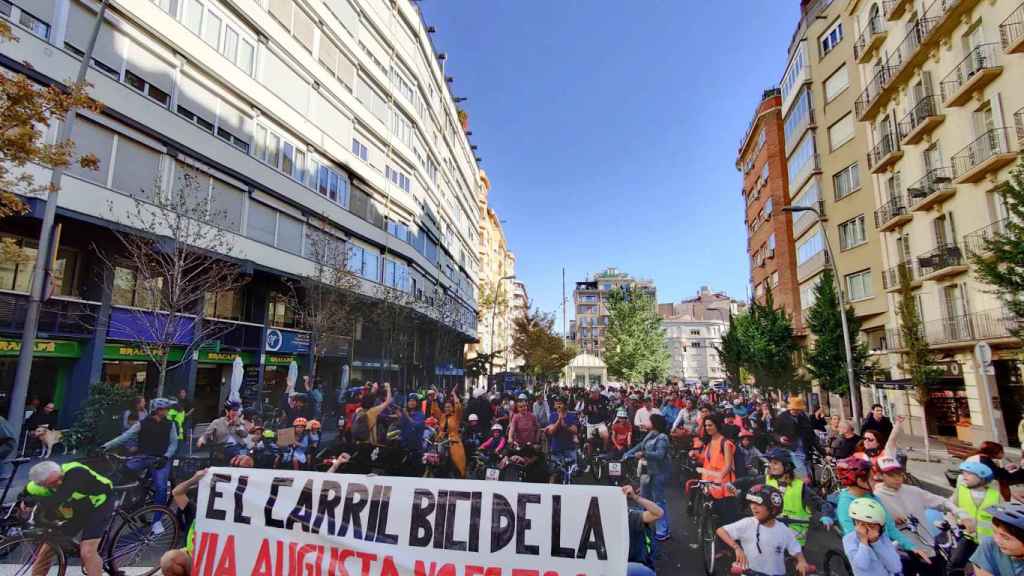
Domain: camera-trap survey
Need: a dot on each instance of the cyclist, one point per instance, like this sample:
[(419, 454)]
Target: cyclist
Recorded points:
[(799, 499), (524, 428), (762, 539), (717, 466), (595, 408), (494, 445), (869, 549), (227, 431), (78, 494), (749, 454), (157, 439), (621, 433), (973, 499), (297, 454), (794, 431), (641, 514), (561, 431), (1003, 553), (907, 504)]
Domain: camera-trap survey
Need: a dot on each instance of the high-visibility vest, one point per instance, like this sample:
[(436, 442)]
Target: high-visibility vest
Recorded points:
[(982, 516), (190, 540), (714, 460), (96, 500), (178, 417), (793, 505)]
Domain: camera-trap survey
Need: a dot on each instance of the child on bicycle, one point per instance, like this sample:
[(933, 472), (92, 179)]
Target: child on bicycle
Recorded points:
[(869, 549), (1003, 553), (973, 499), (763, 540), (494, 445), (800, 500), (621, 433), (908, 505)]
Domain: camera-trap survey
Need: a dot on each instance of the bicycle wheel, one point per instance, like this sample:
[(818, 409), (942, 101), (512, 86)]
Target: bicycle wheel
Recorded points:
[(18, 557), (707, 540), (141, 539), (836, 564)]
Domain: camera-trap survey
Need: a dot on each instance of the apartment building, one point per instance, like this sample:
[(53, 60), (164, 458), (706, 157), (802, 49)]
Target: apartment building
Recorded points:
[(762, 161), (694, 328), (590, 298), (944, 113), (706, 305), (299, 119), (825, 149), (520, 308)]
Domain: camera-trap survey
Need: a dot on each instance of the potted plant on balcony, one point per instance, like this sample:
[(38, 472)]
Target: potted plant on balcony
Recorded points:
[(463, 119)]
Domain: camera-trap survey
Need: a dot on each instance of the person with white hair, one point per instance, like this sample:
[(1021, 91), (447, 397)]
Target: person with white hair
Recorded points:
[(73, 486), (157, 439)]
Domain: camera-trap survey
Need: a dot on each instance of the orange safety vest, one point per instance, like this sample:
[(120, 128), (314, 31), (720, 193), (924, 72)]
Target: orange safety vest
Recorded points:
[(714, 460)]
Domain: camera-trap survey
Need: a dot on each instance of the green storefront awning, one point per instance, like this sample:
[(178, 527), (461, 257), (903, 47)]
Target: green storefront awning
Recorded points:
[(214, 357), (129, 352), (43, 348)]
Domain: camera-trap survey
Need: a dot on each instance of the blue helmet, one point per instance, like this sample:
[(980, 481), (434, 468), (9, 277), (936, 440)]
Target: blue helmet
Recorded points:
[(978, 469), (740, 411), (782, 455), (1012, 514)]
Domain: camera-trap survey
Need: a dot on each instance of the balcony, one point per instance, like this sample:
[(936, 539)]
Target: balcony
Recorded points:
[(944, 261), (892, 214), (891, 277), (868, 101), (975, 241), (1011, 31), (990, 152), (936, 186), (870, 39), (922, 119), (1018, 121), (971, 75), (58, 316), (966, 329), (895, 9), (886, 153)]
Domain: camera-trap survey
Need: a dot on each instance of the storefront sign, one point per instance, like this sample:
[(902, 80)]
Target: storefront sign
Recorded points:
[(287, 341), (448, 370), (43, 348), (362, 364), (129, 352), (137, 325), (278, 359), (212, 357), (264, 522)]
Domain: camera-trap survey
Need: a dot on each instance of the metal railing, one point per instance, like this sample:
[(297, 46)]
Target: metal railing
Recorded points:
[(923, 110), (1012, 29), (934, 180), (980, 58), (58, 316), (895, 207), (975, 241), (984, 325), (891, 276), (941, 257), (992, 143), (874, 89), (875, 27), (887, 144)]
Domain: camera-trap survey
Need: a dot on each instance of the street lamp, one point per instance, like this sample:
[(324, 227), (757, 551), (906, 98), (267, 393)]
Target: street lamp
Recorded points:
[(851, 379), (494, 309)]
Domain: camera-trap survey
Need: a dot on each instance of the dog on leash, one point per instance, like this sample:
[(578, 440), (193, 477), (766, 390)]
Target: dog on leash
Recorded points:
[(49, 438)]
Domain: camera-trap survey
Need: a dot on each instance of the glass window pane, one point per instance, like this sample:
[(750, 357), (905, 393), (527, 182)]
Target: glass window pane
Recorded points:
[(213, 26), (230, 50), (288, 158), (245, 57), (194, 16), (273, 150)]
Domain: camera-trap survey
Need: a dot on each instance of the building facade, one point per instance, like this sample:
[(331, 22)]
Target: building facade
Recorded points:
[(942, 106), (298, 119), (590, 299), (520, 308), (694, 328), (762, 161)]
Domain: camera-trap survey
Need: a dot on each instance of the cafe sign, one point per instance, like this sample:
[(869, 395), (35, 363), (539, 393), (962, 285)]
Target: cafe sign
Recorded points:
[(214, 357), (43, 348), (129, 352)]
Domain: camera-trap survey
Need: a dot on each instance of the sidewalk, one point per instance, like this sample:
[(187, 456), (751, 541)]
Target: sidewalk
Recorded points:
[(934, 473)]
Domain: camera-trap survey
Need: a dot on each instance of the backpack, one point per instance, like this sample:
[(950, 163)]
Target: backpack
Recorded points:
[(361, 427)]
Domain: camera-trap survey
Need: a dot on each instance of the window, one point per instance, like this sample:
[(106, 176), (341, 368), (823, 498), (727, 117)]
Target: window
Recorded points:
[(92, 138), (810, 247), (279, 153), (775, 279), (851, 233), (798, 118), (333, 184), (226, 305), (802, 161), (809, 197), (364, 261), (135, 167), (193, 16), (247, 57), (398, 230), (795, 71), (858, 285), (230, 48), (16, 275), (131, 289), (398, 179), (847, 181), (141, 85), (279, 312), (211, 34), (808, 293), (829, 40), (29, 21), (359, 149), (837, 83), (841, 132)]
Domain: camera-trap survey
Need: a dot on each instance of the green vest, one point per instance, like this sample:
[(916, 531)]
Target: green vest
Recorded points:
[(981, 514), (178, 417), (96, 500), (190, 540), (793, 505)]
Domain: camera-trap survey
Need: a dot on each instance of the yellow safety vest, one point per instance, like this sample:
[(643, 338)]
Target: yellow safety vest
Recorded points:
[(190, 540), (982, 517), (793, 505), (96, 500), (178, 417)]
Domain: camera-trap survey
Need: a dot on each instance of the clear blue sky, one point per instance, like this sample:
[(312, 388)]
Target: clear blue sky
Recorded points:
[(609, 130)]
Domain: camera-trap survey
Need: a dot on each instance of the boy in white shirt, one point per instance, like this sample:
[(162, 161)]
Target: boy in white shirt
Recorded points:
[(760, 541)]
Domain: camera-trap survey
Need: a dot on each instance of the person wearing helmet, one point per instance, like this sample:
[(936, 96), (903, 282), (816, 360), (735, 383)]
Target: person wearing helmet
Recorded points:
[(265, 452), (227, 433), (313, 431), (748, 454), (1003, 553), (474, 435), (297, 454), (905, 503), (869, 549), (760, 541), (621, 433), (975, 495), (494, 445), (799, 497), (524, 428), (156, 437), (412, 424), (856, 477)]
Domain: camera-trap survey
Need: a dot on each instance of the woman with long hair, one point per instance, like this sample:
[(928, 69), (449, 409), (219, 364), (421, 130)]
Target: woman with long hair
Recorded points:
[(654, 449)]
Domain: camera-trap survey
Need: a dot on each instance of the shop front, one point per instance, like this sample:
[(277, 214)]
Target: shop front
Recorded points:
[(947, 410), (282, 348), (52, 364), (213, 379), (128, 365)]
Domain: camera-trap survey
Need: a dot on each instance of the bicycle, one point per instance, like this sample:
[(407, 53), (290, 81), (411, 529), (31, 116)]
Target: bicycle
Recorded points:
[(565, 472), (705, 521), (132, 539)]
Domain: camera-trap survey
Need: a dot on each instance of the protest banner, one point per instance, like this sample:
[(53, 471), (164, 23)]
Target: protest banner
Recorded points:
[(253, 522)]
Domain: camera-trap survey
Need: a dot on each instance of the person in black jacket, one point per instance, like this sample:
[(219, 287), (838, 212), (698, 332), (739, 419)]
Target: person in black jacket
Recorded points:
[(794, 431), (157, 439), (877, 420)]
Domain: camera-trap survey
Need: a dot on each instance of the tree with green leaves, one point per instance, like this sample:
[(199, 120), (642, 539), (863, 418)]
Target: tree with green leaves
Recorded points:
[(1000, 260), (635, 349), (545, 354), (768, 337), (917, 360), (826, 358), (731, 352)]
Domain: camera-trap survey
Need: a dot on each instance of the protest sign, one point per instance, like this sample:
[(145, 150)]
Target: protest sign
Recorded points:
[(279, 523)]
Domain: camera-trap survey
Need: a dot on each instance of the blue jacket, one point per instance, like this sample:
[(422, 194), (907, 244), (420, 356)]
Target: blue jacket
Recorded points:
[(878, 559), (655, 449), (846, 523), (412, 431)]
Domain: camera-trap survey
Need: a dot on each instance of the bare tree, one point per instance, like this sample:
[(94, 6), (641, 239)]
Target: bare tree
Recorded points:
[(325, 301), (450, 319), (177, 261), (394, 314)]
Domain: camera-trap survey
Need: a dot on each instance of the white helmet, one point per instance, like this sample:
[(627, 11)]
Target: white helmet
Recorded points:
[(473, 418), (867, 510), (496, 427)]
